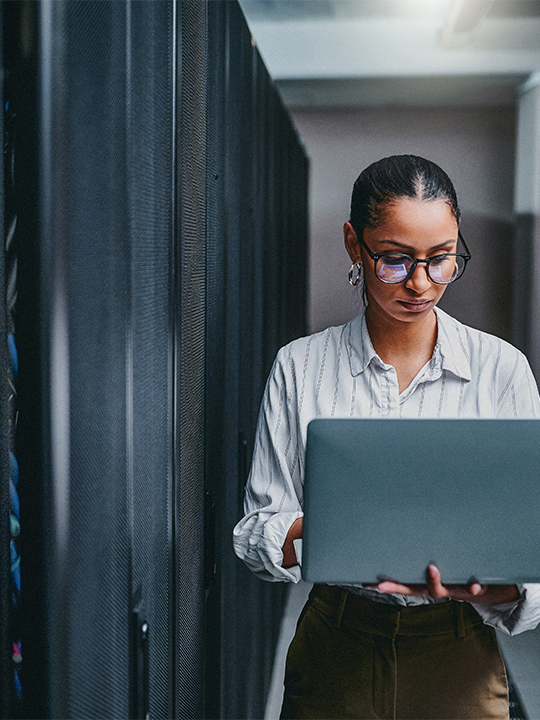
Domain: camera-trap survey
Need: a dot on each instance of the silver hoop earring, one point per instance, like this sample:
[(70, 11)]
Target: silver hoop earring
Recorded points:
[(354, 281)]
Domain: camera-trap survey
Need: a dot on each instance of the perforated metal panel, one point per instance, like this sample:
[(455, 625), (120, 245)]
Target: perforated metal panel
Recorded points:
[(190, 363), (245, 263), (106, 160), (146, 306), (216, 330), (89, 230), (6, 609), (150, 341)]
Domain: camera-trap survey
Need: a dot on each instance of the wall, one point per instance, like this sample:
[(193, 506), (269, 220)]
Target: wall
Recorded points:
[(476, 148), (527, 239)]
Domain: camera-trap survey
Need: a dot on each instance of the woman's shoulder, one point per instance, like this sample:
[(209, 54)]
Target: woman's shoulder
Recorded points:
[(322, 342), (477, 345)]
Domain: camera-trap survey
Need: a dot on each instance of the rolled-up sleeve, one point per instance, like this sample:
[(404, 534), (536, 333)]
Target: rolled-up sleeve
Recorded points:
[(274, 488), (515, 617)]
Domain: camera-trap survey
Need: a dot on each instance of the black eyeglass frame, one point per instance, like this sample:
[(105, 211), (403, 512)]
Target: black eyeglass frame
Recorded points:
[(377, 256)]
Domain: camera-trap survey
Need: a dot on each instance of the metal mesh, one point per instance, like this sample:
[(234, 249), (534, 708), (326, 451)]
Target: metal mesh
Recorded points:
[(111, 142), (190, 365), (145, 194), (6, 592), (90, 217), (249, 248), (150, 159)]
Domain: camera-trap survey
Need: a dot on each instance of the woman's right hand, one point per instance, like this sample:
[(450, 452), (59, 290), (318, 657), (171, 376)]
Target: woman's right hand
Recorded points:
[(474, 592), (289, 555)]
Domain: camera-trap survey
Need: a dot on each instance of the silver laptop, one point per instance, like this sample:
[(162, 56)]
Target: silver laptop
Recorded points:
[(385, 497)]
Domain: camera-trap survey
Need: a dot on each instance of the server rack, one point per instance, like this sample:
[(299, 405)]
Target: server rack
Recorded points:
[(7, 700), (257, 243), (153, 186)]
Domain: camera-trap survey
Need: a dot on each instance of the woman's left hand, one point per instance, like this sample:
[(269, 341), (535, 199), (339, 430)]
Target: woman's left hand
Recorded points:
[(472, 592)]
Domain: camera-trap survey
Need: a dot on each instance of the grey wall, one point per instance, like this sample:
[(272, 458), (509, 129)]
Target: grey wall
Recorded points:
[(476, 148), (527, 238)]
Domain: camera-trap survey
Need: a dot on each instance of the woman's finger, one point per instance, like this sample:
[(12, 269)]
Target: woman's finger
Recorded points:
[(389, 586), (474, 587), (435, 587)]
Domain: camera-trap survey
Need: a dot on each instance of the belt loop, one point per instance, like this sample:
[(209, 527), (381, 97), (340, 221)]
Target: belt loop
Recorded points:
[(458, 619), (341, 607)]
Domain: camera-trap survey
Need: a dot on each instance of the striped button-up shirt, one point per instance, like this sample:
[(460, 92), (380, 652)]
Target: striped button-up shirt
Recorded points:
[(337, 373)]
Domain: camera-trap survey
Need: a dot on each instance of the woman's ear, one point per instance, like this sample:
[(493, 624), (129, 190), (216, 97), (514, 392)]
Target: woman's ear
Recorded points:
[(351, 243)]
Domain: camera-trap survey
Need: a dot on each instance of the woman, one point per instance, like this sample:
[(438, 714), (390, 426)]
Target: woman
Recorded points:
[(390, 651)]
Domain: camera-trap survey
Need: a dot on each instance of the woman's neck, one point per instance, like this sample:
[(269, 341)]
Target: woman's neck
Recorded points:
[(406, 346)]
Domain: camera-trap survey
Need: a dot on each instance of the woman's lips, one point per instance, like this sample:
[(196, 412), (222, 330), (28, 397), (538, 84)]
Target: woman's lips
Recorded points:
[(415, 305)]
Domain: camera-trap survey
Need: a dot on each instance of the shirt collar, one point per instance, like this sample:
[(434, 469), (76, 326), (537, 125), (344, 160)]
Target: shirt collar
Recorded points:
[(452, 346), (361, 350), (450, 351)]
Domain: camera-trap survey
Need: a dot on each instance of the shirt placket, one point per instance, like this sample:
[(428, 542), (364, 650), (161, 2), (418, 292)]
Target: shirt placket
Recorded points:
[(389, 391), (431, 372)]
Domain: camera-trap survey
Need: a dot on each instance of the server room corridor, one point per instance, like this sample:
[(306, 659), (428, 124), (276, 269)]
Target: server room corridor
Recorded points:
[(437, 80), (175, 181)]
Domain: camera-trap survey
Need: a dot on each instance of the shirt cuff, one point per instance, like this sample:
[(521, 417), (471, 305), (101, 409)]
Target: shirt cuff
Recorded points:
[(269, 546), (258, 542), (514, 617)]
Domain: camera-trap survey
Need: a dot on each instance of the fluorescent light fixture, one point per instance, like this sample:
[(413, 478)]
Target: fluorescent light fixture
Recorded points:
[(462, 19)]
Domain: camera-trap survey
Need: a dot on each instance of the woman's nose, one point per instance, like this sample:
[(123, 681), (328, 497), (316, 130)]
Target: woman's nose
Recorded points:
[(419, 280)]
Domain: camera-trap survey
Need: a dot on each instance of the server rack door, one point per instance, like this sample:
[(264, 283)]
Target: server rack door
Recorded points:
[(96, 342), (244, 264), (151, 36), (190, 357), (216, 468), (6, 444), (148, 325)]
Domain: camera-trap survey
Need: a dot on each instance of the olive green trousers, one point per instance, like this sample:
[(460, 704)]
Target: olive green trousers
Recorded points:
[(355, 658)]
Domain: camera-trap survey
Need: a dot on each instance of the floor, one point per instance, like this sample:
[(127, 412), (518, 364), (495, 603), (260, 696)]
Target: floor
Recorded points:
[(522, 655)]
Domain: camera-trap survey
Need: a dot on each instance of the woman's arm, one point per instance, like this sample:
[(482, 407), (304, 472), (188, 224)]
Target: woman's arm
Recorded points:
[(289, 554), (272, 501)]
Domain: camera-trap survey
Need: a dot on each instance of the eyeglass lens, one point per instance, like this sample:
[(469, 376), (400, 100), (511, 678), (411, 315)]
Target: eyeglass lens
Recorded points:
[(443, 269)]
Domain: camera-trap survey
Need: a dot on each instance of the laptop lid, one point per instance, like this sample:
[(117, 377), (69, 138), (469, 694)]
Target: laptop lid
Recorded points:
[(385, 497)]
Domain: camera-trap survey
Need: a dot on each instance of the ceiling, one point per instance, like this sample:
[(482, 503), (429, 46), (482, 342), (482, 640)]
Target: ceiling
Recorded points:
[(339, 53)]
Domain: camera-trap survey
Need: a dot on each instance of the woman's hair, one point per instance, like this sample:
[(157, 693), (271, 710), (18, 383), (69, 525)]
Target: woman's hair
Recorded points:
[(386, 180)]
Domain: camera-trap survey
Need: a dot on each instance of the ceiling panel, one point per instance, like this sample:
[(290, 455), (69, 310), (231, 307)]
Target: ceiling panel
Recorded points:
[(316, 46), (284, 10), (455, 91)]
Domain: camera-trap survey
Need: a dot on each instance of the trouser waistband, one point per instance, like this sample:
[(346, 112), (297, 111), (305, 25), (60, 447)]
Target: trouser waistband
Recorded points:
[(354, 611)]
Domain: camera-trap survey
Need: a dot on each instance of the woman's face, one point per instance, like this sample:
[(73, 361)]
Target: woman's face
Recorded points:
[(420, 228)]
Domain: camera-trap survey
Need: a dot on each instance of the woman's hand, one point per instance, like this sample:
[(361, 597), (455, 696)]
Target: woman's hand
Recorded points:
[(295, 533), (472, 592)]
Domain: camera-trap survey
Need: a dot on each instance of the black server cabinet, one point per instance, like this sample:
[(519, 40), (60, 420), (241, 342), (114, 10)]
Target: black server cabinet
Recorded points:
[(190, 355), (257, 247), (157, 184), (7, 611), (94, 88)]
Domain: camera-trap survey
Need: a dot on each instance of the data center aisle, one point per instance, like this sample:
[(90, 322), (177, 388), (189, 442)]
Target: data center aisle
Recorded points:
[(522, 655)]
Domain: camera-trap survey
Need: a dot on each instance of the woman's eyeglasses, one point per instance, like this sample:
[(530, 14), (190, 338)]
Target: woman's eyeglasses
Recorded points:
[(444, 269)]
